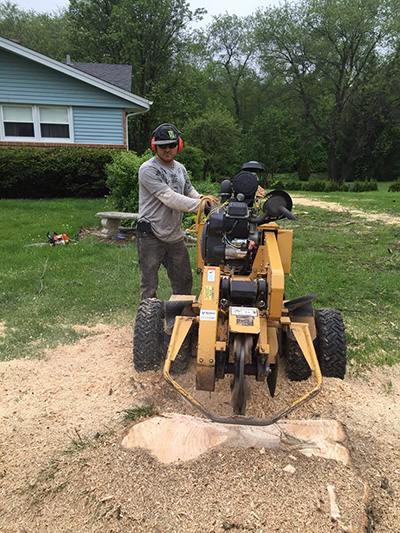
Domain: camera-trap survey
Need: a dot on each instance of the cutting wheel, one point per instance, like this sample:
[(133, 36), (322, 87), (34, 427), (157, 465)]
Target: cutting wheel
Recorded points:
[(240, 386)]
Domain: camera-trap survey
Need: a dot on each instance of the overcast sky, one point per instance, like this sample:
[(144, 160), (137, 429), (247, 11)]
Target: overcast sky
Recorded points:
[(213, 7)]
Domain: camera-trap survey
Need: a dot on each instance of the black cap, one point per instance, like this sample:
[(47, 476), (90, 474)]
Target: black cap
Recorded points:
[(165, 134)]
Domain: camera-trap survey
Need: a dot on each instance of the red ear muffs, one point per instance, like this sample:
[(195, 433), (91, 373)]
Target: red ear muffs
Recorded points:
[(180, 144)]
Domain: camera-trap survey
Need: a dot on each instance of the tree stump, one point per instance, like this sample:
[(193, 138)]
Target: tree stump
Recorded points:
[(175, 437)]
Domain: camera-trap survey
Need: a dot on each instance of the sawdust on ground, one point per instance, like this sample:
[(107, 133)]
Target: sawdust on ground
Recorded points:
[(333, 206), (62, 468)]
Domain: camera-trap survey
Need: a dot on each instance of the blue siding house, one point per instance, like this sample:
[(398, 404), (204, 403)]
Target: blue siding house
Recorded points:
[(44, 102)]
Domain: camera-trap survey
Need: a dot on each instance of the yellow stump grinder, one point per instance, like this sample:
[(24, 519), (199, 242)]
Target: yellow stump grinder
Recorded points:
[(241, 324)]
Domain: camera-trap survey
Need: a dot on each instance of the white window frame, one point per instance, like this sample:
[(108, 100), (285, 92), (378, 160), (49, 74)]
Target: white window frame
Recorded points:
[(36, 125)]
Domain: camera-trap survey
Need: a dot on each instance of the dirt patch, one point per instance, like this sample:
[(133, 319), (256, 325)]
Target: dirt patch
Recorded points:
[(333, 206), (62, 467), (126, 235)]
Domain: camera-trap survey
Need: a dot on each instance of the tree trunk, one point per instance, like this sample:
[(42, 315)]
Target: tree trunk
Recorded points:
[(206, 168), (346, 172), (236, 101), (332, 161)]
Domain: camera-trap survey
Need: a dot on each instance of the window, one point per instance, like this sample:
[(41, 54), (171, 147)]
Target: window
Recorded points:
[(35, 123), (54, 122), (18, 121)]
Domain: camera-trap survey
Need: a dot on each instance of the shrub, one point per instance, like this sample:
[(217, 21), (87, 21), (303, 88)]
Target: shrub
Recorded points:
[(357, 186), (122, 180), (294, 186), (278, 185), (207, 186), (332, 186), (27, 172), (363, 186), (314, 185), (304, 171), (193, 159), (395, 187)]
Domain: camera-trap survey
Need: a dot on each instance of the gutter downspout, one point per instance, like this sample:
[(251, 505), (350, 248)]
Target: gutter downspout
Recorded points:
[(126, 123)]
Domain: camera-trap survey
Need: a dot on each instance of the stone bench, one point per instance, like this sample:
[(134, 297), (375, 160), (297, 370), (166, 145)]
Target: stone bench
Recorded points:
[(110, 221)]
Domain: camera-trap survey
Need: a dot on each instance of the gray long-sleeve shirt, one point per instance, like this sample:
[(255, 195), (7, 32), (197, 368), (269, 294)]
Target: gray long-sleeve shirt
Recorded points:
[(164, 193)]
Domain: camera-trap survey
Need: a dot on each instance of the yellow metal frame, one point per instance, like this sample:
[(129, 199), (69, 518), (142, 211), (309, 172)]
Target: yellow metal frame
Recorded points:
[(273, 262), (208, 327), (302, 336)]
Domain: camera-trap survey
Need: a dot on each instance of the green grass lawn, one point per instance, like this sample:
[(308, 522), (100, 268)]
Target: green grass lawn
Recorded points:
[(45, 292), (347, 262)]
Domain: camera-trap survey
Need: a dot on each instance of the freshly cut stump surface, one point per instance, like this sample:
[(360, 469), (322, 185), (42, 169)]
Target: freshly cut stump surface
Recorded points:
[(173, 437)]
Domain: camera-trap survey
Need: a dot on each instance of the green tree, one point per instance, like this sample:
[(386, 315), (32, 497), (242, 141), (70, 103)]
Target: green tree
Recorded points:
[(93, 38), (150, 35), (217, 134), (326, 51), (10, 19), (369, 137), (272, 141), (228, 47), (45, 33)]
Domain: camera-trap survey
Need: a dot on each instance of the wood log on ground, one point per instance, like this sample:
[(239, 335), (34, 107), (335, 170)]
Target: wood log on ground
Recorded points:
[(175, 437)]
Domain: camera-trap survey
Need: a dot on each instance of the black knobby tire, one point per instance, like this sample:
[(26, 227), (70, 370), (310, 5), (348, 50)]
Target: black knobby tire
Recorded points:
[(297, 368), (331, 343), (148, 337)]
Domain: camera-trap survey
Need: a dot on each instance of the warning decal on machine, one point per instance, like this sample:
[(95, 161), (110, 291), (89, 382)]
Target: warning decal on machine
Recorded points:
[(209, 292), (244, 311), (211, 275), (208, 315)]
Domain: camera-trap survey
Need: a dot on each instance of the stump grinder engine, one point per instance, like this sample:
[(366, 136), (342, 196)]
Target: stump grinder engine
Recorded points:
[(241, 324)]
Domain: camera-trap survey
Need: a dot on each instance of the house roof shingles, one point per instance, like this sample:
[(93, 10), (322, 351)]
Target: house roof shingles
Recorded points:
[(118, 75)]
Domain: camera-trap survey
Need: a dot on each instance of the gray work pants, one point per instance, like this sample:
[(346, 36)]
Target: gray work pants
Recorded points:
[(174, 256)]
